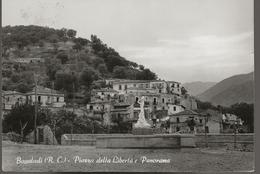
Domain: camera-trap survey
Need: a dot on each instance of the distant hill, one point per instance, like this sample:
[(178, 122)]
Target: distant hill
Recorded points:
[(195, 88), (235, 89)]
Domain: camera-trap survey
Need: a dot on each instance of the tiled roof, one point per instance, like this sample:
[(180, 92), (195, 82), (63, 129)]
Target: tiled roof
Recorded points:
[(12, 93), (44, 90), (137, 81), (104, 90), (186, 112)]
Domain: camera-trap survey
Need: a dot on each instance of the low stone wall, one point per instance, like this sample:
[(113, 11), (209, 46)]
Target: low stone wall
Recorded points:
[(224, 140), (83, 139), (199, 140), (139, 141)]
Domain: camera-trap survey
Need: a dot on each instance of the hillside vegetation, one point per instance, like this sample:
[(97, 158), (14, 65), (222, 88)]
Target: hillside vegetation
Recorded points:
[(67, 60)]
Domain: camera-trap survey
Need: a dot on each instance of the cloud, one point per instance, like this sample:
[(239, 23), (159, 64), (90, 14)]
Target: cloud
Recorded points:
[(209, 52)]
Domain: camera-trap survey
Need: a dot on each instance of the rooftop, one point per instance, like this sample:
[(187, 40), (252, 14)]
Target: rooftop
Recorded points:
[(137, 81), (105, 90), (186, 112), (44, 90), (12, 93)]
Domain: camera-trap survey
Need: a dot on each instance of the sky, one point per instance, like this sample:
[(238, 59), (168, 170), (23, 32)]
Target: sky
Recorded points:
[(179, 40)]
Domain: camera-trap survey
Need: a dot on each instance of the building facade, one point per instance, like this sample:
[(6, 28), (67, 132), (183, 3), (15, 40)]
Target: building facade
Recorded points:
[(46, 97)]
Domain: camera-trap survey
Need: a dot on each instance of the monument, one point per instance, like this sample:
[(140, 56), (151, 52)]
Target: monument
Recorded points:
[(142, 127)]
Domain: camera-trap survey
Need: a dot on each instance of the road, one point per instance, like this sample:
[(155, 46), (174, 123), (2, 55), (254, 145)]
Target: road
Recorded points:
[(48, 158)]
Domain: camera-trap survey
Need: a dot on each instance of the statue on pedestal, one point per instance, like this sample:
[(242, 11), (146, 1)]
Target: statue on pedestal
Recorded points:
[(141, 122)]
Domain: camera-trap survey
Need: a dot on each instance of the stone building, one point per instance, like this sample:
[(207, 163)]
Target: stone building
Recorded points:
[(155, 86), (46, 97), (104, 94), (12, 98), (180, 122)]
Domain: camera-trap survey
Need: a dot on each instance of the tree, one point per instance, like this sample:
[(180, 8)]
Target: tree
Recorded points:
[(246, 113), (71, 33), (102, 68), (65, 80), (52, 66), (141, 67), (146, 74), (119, 72), (21, 120), (205, 105), (63, 57), (88, 76), (183, 91)]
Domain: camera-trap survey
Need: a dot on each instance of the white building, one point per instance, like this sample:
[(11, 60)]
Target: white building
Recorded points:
[(12, 98), (157, 86), (46, 97)]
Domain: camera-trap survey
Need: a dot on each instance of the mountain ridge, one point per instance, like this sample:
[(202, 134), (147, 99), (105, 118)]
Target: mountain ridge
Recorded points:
[(234, 89)]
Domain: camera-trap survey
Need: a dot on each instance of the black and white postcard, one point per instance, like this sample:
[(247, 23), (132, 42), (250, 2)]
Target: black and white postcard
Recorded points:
[(127, 86)]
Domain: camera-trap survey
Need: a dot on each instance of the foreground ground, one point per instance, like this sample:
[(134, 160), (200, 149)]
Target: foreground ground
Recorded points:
[(82, 158)]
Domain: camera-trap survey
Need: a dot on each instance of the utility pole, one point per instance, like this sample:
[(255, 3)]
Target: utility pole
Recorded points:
[(235, 134), (73, 110), (205, 127), (36, 108)]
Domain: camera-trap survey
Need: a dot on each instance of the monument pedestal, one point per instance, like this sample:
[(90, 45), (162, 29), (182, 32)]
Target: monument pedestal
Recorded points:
[(142, 131)]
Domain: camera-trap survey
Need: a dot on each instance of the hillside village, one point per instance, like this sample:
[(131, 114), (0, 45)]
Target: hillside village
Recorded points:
[(165, 103), (69, 75)]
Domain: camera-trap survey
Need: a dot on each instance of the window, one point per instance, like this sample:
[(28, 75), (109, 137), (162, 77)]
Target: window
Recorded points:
[(163, 108), (136, 99), (39, 98), (160, 91), (58, 99), (207, 129), (177, 128), (177, 120), (90, 107), (162, 100), (125, 87), (120, 87), (200, 120), (154, 101), (174, 108), (178, 85)]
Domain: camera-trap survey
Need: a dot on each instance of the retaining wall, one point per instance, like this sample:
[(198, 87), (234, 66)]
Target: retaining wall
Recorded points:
[(199, 139), (83, 139)]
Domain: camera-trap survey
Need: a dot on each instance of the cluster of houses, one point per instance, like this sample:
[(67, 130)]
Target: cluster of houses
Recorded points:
[(46, 97), (165, 104)]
